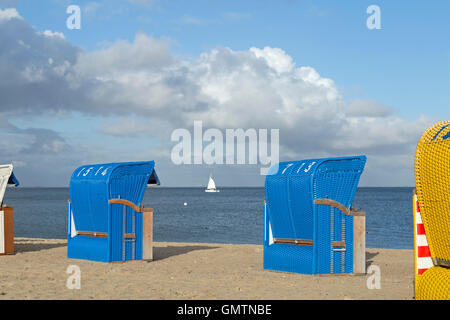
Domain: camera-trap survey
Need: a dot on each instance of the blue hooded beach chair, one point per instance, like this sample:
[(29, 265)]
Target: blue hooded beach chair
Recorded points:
[(310, 227), (106, 221)]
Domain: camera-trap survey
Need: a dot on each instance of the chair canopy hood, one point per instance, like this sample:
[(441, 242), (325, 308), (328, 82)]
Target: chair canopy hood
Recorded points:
[(7, 177), (92, 186)]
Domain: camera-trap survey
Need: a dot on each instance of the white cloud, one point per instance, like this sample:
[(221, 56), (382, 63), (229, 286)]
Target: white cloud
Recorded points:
[(8, 14), (142, 80), (365, 108), (275, 58), (50, 33), (128, 126), (144, 55), (257, 88)]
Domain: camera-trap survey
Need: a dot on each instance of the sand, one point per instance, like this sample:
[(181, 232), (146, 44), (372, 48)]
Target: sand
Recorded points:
[(38, 270)]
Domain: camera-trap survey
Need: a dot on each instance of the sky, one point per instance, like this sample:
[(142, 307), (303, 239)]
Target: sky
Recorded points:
[(117, 88)]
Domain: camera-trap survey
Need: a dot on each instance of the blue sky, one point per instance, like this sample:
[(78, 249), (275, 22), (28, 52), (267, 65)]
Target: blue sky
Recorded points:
[(404, 66), (411, 52)]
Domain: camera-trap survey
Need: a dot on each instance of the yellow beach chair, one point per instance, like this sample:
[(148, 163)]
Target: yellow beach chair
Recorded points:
[(432, 175)]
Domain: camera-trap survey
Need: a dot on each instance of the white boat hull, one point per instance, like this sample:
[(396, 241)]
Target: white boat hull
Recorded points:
[(212, 190)]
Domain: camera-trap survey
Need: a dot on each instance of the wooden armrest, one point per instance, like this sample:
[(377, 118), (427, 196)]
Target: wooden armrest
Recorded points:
[(126, 203), (92, 234), (304, 242), (340, 207)]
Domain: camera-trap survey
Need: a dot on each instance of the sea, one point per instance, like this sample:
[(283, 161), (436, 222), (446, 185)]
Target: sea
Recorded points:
[(233, 215)]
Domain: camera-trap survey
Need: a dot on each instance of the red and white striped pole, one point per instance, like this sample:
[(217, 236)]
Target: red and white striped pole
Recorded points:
[(422, 254)]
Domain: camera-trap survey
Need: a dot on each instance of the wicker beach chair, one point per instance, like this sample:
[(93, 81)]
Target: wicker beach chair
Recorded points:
[(106, 220), (432, 175), (7, 178), (310, 227)]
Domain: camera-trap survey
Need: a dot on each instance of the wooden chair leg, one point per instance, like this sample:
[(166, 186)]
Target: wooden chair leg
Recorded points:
[(359, 244), (147, 234)]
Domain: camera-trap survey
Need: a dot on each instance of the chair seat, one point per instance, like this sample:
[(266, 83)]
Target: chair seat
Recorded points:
[(434, 284), (289, 258)]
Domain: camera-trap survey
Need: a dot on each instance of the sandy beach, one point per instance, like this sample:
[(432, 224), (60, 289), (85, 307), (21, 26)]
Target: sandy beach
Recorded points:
[(38, 270)]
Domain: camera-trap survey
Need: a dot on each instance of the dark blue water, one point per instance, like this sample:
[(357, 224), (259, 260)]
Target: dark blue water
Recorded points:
[(235, 215)]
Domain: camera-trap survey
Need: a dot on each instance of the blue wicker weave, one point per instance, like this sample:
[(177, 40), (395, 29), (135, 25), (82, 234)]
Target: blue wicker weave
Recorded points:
[(290, 214), (89, 210)]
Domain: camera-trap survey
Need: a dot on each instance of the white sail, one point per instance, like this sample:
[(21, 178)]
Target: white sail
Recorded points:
[(211, 184)]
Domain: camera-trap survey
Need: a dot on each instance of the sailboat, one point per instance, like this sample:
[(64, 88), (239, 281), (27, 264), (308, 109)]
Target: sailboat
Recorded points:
[(211, 186)]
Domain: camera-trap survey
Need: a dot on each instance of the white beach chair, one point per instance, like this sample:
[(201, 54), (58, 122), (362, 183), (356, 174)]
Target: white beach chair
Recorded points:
[(6, 213)]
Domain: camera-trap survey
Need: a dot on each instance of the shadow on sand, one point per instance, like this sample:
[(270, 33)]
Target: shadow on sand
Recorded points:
[(160, 253), (369, 258), (30, 246)]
